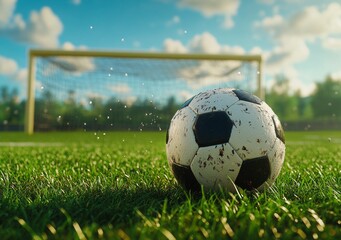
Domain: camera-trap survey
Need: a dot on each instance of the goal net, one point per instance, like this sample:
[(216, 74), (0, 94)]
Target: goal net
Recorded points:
[(91, 91)]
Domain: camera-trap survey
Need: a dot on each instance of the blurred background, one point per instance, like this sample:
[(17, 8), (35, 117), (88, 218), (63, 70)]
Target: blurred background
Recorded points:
[(299, 41)]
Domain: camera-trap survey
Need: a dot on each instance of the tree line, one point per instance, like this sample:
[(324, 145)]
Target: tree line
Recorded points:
[(324, 104)]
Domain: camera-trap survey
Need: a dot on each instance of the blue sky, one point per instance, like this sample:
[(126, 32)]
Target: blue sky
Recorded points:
[(300, 39)]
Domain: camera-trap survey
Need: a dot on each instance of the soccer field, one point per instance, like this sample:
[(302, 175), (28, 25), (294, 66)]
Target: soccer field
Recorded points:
[(117, 185)]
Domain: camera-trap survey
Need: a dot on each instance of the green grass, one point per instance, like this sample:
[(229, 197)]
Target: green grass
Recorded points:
[(119, 186)]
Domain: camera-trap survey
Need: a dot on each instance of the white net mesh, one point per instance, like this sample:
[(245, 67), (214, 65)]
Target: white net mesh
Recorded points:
[(126, 93)]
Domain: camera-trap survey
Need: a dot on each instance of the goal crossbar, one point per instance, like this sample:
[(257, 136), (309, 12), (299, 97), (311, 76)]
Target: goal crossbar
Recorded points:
[(152, 55)]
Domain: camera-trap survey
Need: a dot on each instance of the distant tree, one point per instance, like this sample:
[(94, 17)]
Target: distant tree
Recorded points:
[(280, 100), (4, 94), (72, 113), (47, 110), (12, 110), (171, 106), (326, 100)]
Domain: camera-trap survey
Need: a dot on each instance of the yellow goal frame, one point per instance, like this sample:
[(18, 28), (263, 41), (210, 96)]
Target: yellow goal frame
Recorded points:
[(34, 53)]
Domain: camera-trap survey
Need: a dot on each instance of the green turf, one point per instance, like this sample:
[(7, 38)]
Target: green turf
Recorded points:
[(119, 186)]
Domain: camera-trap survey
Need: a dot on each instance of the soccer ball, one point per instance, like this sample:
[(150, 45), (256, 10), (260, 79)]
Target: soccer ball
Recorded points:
[(224, 139)]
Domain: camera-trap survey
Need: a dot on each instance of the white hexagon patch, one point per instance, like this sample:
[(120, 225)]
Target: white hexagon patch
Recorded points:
[(181, 146)]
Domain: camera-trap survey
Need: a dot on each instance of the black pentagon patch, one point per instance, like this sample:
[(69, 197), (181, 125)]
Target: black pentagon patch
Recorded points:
[(278, 128), (246, 96), (253, 173), (185, 177), (212, 128), (185, 104)]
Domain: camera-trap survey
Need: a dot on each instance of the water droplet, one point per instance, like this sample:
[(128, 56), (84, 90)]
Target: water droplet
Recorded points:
[(122, 39), (42, 87), (91, 27), (104, 134), (125, 106), (84, 124), (111, 68), (109, 75), (90, 102), (185, 31), (108, 117), (126, 74)]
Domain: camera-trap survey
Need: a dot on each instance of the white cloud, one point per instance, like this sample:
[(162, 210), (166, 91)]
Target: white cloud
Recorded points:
[(332, 43), (312, 23), (201, 43), (175, 20), (288, 52), (121, 88), (42, 29), (271, 24), (205, 73), (6, 11), (76, 2), (21, 75), (205, 43), (269, 2), (10, 68), (308, 24), (173, 46), (75, 65), (227, 9), (208, 73)]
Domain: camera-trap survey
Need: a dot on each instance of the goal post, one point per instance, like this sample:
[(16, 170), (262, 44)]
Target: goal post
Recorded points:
[(131, 76)]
